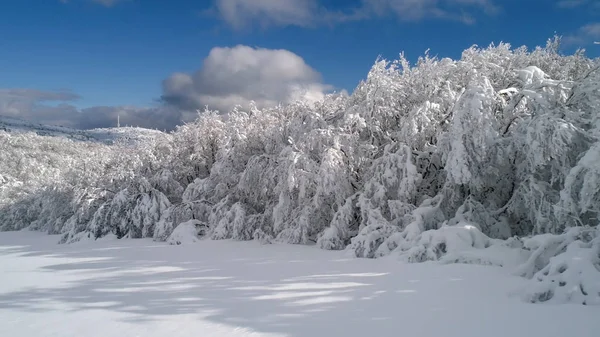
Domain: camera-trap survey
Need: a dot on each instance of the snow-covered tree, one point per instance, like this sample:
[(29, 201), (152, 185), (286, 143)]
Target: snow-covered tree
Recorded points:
[(442, 159)]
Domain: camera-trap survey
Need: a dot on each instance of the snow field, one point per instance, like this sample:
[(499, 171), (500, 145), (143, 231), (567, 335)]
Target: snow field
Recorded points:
[(226, 288)]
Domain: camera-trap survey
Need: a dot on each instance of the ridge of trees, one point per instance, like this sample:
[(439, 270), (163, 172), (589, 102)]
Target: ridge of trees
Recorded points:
[(427, 161)]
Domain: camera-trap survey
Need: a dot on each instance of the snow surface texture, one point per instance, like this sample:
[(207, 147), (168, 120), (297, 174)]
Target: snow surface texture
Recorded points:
[(225, 288)]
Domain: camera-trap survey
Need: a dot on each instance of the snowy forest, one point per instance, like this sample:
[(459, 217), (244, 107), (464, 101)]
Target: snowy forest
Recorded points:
[(490, 159)]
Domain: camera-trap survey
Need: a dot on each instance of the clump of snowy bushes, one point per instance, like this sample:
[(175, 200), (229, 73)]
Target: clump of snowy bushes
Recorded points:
[(490, 159)]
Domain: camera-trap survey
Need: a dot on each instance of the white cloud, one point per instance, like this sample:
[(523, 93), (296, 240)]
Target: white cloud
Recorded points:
[(34, 104), (405, 9), (238, 75), (416, 10), (240, 13), (591, 6), (106, 3), (53, 107), (571, 3), (304, 13), (488, 6), (584, 35), (592, 29)]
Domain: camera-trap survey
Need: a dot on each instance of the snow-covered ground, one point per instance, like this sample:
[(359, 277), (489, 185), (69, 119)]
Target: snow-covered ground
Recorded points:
[(222, 288), (17, 125), (105, 135)]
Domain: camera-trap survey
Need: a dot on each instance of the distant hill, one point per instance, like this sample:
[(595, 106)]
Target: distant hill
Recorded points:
[(105, 135)]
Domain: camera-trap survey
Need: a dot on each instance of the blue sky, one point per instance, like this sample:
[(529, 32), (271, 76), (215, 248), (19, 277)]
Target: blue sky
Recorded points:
[(124, 53)]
